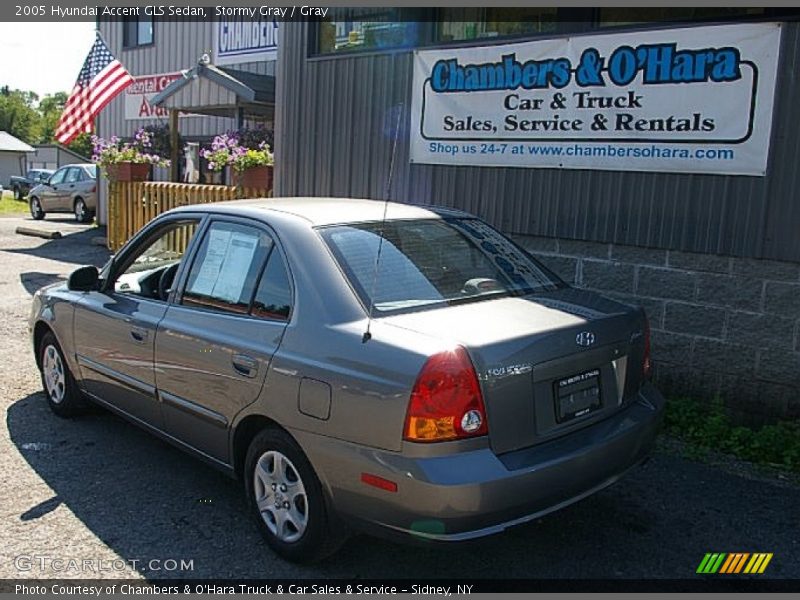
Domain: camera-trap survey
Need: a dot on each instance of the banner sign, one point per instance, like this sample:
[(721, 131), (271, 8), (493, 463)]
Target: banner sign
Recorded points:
[(689, 100), (245, 41), (139, 93)]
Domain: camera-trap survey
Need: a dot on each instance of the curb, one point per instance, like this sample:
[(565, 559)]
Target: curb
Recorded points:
[(41, 233)]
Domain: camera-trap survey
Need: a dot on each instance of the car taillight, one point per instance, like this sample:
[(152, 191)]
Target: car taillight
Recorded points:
[(93, 190), (647, 365), (446, 402)]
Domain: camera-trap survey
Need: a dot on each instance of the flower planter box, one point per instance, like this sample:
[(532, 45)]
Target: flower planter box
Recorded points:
[(129, 172), (256, 177)]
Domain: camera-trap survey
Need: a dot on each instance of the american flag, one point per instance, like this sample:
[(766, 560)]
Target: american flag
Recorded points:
[(102, 77)]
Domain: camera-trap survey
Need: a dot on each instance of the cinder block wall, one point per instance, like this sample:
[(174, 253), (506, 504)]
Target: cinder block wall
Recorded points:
[(720, 325)]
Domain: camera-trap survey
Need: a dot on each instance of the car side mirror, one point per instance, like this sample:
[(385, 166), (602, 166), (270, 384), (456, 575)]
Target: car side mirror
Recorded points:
[(84, 279)]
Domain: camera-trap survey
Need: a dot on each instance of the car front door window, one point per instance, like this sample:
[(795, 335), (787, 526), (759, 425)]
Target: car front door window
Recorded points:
[(151, 273), (58, 177)]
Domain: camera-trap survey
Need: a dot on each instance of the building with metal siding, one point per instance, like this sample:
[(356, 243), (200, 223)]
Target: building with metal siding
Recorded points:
[(347, 98), (715, 259), (176, 46), (53, 156)]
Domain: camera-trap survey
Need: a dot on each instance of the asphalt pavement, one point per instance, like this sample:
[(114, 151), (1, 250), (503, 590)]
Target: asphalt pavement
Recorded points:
[(99, 492)]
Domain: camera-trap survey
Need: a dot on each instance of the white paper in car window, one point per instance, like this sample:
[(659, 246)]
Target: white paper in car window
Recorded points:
[(225, 265), (218, 241), (235, 266)]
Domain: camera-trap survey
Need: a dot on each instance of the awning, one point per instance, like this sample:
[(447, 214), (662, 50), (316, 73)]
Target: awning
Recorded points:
[(221, 92)]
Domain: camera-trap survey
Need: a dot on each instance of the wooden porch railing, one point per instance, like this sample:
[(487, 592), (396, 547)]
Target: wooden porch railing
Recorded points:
[(132, 204)]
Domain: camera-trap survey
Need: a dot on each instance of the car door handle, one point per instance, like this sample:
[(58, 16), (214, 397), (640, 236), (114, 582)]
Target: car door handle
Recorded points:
[(245, 365), (139, 334)]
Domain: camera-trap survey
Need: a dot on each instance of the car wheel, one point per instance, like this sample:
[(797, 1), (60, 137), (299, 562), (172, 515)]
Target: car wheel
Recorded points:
[(63, 395), (36, 209), (82, 214), (17, 193), (286, 497)]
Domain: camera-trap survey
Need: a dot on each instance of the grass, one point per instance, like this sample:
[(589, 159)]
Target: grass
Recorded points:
[(9, 206), (706, 426)]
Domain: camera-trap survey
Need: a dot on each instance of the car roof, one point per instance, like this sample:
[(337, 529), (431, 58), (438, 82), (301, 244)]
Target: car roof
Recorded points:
[(330, 211)]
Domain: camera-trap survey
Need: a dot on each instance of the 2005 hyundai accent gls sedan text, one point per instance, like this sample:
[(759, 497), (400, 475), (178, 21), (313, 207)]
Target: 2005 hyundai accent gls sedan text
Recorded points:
[(453, 390)]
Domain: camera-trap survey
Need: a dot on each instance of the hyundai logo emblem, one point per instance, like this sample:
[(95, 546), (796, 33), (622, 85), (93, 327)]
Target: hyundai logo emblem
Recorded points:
[(584, 338)]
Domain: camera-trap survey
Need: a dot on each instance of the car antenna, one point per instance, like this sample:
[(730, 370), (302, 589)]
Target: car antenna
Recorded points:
[(367, 334)]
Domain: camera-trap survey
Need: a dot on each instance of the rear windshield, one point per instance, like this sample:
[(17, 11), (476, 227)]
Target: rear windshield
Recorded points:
[(433, 262), (92, 170)]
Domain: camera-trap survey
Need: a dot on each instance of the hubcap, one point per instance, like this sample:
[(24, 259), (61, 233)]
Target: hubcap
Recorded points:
[(281, 496), (54, 378), (79, 210), (35, 207)]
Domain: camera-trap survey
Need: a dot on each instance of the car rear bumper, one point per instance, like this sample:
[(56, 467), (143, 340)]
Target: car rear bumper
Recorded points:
[(474, 493)]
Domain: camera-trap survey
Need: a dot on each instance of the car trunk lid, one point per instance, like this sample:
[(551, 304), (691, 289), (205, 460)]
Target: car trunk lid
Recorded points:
[(548, 363)]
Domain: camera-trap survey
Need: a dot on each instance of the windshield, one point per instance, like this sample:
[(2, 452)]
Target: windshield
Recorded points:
[(431, 262)]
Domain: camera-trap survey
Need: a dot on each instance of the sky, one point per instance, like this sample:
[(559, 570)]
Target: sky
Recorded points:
[(43, 57)]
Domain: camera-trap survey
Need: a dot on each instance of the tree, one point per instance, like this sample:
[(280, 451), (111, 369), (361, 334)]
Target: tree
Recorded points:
[(34, 121), (18, 115), (82, 145), (50, 109)]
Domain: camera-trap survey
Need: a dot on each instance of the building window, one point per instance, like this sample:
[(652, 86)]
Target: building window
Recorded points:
[(137, 31), (621, 16), (359, 29), (462, 24)]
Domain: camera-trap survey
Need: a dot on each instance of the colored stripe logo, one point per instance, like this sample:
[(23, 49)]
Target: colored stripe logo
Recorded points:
[(734, 563)]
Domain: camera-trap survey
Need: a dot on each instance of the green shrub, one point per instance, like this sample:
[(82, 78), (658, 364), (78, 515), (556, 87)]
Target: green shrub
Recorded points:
[(707, 426)]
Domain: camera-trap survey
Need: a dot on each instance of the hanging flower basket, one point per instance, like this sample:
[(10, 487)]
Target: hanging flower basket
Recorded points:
[(128, 171), (256, 177)]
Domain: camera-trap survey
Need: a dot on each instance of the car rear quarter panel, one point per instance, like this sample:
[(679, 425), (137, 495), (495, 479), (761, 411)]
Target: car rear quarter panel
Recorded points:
[(370, 382)]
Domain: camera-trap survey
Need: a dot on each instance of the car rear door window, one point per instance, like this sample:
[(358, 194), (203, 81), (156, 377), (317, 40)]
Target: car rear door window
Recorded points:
[(273, 298), (225, 271)]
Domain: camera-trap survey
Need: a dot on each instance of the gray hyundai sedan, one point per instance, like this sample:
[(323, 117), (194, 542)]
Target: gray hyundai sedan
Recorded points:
[(389, 367)]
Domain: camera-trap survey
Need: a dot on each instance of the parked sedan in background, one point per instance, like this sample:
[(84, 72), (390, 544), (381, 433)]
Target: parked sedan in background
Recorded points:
[(411, 372), (22, 185), (72, 188)]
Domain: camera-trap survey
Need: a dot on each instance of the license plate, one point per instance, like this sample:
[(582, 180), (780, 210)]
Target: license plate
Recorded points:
[(577, 395)]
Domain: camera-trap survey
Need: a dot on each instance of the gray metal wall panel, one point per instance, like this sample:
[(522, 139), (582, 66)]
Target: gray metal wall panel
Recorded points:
[(177, 46), (335, 114)]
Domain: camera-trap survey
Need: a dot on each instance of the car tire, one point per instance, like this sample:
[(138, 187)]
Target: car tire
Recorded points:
[(286, 498), (17, 193), (63, 395), (81, 212), (36, 209)]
